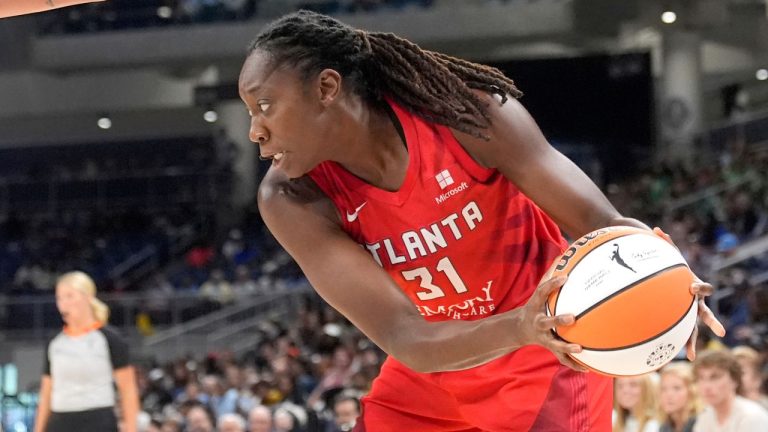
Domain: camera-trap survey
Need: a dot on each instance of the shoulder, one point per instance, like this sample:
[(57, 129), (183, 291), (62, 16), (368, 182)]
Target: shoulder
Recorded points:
[(110, 332), (115, 340), (752, 409), (279, 194), (276, 185), (58, 336), (512, 131)]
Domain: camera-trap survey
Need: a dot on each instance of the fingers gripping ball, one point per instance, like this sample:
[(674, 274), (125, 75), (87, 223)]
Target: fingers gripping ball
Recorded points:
[(630, 292)]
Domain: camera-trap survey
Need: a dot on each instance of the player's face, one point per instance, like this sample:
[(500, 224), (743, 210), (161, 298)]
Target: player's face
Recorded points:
[(628, 392), (73, 305), (287, 121), (674, 393), (715, 385)]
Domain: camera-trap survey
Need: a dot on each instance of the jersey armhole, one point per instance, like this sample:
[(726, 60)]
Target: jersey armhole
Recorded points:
[(469, 164), (322, 176)]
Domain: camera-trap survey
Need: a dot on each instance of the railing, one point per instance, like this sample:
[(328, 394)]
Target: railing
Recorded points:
[(233, 328)]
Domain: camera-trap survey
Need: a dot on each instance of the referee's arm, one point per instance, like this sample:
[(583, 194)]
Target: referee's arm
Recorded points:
[(44, 404), (128, 391)]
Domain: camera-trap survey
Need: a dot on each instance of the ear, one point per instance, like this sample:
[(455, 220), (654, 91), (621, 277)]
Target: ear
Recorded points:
[(328, 86)]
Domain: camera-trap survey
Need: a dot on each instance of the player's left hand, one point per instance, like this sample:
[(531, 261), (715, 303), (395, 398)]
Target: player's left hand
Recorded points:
[(701, 290)]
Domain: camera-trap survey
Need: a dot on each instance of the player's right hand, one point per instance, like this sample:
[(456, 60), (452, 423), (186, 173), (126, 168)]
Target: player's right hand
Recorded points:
[(536, 328)]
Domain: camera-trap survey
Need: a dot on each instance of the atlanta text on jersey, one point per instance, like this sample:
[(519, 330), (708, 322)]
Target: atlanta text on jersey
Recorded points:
[(426, 240)]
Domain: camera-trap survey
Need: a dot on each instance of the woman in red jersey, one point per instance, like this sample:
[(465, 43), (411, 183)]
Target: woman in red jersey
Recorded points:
[(9, 8), (423, 202)]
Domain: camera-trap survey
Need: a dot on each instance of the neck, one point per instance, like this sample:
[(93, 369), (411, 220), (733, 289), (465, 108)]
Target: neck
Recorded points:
[(82, 323), (678, 419), (373, 149), (753, 394)]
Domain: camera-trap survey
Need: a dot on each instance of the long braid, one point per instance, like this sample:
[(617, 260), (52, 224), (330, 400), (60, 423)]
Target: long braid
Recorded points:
[(436, 86)]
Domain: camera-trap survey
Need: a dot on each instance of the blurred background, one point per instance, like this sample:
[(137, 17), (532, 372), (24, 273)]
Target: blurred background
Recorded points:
[(124, 153)]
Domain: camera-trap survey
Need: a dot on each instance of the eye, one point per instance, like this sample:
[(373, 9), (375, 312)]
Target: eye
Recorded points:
[(263, 106)]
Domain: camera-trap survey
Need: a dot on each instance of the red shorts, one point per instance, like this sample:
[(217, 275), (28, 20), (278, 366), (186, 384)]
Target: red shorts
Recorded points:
[(526, 390)]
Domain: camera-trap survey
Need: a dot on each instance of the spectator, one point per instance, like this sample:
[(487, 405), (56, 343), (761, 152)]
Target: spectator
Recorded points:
[(634, 404), (244, 285), (216, 289), (220, 399), (346, 409), (718, 376), (678, 400), (283, 421), (231, 423), (260, 419), (752, 379), (199, 419)]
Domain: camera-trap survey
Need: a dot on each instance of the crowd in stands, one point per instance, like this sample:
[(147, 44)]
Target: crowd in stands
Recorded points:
[(307, 375), (722, 390), (96, 208), (131, 14)]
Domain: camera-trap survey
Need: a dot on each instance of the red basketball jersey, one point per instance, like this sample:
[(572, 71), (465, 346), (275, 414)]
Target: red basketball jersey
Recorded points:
[(463, 243), (460, 240)]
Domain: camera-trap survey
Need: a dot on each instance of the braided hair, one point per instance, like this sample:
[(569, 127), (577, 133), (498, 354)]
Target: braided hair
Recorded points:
[(436, 86)]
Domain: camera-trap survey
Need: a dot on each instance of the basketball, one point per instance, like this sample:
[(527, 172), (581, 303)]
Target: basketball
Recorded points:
[(629, 291)]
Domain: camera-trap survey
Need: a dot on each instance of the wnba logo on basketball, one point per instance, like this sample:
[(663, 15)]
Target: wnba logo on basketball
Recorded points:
[(660, 355)]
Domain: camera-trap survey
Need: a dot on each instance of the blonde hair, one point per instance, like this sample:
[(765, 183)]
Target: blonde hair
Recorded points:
[(83, 283), (684, 371), (646, 409), (748, 355)]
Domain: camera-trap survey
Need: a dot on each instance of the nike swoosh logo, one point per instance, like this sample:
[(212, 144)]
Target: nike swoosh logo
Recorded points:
[(351, 217)]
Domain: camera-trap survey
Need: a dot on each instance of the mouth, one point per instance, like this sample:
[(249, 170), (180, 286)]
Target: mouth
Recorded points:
[(272, 156)]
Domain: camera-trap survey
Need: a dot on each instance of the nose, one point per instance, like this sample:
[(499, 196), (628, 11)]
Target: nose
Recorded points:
[(258, 134)]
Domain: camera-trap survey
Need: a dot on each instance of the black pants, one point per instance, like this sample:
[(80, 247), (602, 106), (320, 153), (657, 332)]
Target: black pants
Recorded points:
[(95, 420)]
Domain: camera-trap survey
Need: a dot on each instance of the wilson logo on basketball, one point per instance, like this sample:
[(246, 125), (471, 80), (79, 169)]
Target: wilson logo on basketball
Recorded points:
[(567, 255)]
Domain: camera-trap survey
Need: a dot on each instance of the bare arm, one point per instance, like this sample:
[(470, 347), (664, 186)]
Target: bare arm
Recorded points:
[(125, 378), (305, 222), (9, 8), (518, 149), (44, 404)]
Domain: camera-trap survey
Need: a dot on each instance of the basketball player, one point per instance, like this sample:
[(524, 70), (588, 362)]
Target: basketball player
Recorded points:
[(423, 202), (9, 8)]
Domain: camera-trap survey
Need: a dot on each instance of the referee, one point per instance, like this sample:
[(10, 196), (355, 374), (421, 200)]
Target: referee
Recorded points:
[(83, 362)]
